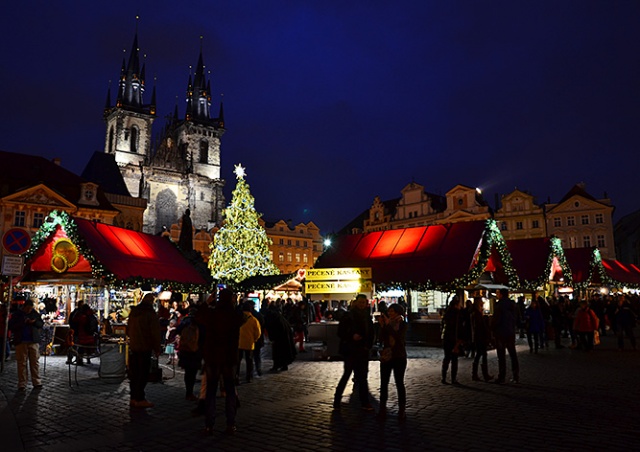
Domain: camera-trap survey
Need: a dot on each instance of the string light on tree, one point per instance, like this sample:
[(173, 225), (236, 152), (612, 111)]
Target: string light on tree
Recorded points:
[(240, 249)]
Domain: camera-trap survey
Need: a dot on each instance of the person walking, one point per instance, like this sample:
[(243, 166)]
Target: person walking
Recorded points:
[(625, 321), (481, 338), (504, 331), (393, 330), (220, 352), (249, 335), (144, 339), (26, 325), (189, 351), (356, 339), (452, 339), (535, 326)]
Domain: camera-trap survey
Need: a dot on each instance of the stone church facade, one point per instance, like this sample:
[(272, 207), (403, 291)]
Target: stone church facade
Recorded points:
[(179, 168)]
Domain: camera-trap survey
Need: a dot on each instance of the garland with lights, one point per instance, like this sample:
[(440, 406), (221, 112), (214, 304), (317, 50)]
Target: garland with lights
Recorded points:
[(555, 250), (240, 249), (491, 238), (62, 219)]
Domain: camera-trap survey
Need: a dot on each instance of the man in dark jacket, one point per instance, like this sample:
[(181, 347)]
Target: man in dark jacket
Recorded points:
[(356, 339), (504, 330), (220, 352), (25, 325), (144, 339)]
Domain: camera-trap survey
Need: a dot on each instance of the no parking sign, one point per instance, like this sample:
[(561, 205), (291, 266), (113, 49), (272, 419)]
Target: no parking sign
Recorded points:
[(16, 241)]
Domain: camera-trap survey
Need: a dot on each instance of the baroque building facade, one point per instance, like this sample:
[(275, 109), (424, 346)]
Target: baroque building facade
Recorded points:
[(578, 219), (180, 169)]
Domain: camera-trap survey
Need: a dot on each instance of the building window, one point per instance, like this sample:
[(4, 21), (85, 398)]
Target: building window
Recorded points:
[(281, 229), (557, 222), (281, 241), (298, 258), (503, 226), (297, 242), (20, 218), (519, 225), (410, 214), (305, 258), (38, 219), (535, 224), (281, 257), (289, 242), (133, 144), (585, 219), (204, 151), (586, 241), (601, 242), (599, 218), (288, 257), (201, 196), (304, 244), (573, 242), (571, 220)]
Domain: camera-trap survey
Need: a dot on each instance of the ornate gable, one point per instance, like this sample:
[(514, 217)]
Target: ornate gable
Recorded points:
[(39, 195)]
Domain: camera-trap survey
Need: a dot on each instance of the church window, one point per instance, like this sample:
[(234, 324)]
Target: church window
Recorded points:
[(204, 151), (111, 140), (133, 144)]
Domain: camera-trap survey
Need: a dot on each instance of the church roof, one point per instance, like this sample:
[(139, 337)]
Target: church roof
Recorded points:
[(103, 170)]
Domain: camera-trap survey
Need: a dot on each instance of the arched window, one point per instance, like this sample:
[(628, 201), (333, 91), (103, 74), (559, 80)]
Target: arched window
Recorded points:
[(204, 151), (133, 144)]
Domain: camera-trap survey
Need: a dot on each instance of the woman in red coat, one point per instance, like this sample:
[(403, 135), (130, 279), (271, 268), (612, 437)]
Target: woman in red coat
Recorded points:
[(584, 324)]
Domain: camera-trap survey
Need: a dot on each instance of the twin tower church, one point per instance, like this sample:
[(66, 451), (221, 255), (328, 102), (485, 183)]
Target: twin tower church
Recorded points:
[(176, 168)]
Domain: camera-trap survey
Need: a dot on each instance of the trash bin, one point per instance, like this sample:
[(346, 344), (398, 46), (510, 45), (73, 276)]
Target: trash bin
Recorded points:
[(112, 361)]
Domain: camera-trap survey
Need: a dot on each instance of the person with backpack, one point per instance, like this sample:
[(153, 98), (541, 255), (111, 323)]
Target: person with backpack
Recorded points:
[(189, 354)]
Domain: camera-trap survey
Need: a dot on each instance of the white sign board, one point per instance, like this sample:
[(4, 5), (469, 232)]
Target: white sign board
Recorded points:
[(12, 265)]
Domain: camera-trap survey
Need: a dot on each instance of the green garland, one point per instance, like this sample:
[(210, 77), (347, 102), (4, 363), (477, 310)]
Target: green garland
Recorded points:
[(555, 250), (98, 270)]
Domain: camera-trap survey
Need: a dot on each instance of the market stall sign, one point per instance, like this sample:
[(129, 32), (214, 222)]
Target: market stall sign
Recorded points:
[(338, 274), (65, 255), (337, 287)]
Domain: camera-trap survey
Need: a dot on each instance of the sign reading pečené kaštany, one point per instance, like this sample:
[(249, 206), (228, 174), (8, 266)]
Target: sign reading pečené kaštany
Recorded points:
[(337, 287), (338, 274)]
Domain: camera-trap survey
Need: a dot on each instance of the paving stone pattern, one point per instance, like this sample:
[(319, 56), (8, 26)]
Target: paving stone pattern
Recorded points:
[(566, 400)]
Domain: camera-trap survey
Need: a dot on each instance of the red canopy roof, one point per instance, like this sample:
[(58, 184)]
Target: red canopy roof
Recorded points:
[(123, 253), (437, 253)]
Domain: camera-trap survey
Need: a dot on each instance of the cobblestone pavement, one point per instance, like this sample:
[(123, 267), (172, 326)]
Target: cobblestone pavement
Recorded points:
[(566, 400)]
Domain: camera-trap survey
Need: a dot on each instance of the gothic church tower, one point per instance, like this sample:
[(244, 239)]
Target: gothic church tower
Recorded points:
[(181, 170), (129, 121)]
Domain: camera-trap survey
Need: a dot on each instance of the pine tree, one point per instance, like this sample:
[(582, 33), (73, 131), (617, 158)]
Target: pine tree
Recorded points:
[(240, 248)]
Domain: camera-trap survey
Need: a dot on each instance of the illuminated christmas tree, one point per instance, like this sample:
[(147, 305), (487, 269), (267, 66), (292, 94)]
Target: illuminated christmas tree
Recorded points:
[(240, 249)]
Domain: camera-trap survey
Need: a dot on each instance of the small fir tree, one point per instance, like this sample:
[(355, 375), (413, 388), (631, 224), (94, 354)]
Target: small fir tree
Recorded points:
[(240, 248)]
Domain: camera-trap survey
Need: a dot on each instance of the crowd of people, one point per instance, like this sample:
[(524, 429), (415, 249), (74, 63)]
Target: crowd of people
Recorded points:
[(214, 338)]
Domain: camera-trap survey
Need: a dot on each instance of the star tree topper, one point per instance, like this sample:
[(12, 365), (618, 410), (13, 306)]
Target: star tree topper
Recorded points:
[(239, 171)]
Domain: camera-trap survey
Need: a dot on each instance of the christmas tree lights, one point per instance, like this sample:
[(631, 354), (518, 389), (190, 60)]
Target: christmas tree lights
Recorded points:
[(240, 249)]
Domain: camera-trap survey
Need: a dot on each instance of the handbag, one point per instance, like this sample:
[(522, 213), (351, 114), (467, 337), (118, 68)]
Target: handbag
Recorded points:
[(385, 355), (596, 338)]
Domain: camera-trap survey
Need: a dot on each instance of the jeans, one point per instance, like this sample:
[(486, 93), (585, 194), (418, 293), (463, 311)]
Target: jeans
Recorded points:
[(213, 372), (535, 338), (358, 363), (139, 365), (508, 344), (398, 366)]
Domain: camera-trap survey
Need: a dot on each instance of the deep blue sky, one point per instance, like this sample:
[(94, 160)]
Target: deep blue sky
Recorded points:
[(330, 103)]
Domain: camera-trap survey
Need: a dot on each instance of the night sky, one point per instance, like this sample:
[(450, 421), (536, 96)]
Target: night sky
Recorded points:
[(330, 103)]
